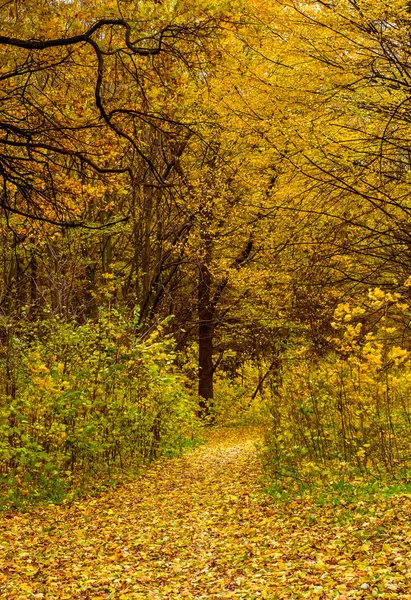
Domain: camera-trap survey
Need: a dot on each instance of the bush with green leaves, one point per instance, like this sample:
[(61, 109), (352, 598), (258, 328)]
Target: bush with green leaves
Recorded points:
[(81, 403)]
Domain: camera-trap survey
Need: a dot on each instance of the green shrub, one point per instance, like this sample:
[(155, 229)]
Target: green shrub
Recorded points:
[(81, 403)]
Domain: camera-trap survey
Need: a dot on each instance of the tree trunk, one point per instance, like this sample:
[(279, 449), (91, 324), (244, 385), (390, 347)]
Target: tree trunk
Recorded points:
[(205, 343)]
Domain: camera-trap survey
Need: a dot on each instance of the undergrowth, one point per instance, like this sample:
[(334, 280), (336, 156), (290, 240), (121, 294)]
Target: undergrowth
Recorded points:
[(341, 423), (86, 406)]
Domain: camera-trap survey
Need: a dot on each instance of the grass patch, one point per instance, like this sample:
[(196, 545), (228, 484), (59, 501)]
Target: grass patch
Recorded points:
[(346, 488)]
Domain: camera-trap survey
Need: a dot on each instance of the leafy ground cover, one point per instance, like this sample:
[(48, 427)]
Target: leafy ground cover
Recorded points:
[(200, 526)]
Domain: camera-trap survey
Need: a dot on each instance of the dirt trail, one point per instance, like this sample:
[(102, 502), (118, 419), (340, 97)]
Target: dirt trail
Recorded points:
[(194, 527)]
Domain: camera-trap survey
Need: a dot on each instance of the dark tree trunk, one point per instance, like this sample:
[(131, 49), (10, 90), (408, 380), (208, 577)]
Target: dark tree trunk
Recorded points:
[(33, 286), (207, 308), (205, 342)]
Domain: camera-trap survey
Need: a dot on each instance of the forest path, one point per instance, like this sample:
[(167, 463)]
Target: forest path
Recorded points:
[(197, 526)]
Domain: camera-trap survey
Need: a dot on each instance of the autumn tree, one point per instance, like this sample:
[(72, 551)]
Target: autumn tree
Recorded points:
[(84, 91), (353, 150), (50, 131), (164, 157)]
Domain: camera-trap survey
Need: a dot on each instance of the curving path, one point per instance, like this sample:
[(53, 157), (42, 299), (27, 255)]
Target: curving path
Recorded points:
[(199, 526)]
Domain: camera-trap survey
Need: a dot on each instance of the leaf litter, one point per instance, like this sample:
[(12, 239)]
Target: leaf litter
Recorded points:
[(200, 526)]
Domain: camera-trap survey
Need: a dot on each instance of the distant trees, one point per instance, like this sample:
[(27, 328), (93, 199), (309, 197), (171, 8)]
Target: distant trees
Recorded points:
[(115, 190), (238, 169)]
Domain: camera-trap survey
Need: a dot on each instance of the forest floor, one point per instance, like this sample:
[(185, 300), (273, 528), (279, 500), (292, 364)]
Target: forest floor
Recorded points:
[(200, 526)]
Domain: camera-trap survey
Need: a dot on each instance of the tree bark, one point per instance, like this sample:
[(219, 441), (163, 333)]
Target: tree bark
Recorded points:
[(205, 343)]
